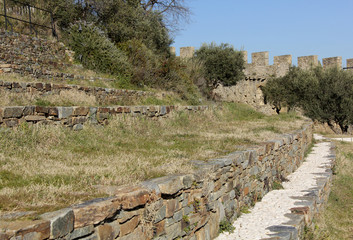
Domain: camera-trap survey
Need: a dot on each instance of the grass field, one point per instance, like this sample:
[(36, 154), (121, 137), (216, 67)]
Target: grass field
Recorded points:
[(45, 168), (336, 223)]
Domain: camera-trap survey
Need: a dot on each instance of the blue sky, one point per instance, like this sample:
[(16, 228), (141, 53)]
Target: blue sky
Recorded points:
[(296, 27)]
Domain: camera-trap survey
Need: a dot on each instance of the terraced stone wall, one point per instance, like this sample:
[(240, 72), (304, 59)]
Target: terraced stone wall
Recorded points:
[(29, 55), (76, 116), (103, 95), (186, 206)]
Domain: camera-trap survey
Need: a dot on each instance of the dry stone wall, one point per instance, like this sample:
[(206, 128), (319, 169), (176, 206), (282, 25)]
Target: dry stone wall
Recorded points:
[(29, 55), (308, 207), (103, 95), (76, 116), (186, 206)]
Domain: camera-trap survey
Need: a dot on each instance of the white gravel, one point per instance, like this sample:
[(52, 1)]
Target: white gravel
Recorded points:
[(344, 139), (273, 207)]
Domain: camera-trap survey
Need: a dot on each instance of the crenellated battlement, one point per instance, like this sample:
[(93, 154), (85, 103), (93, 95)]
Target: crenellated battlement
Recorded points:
[(261, 60)]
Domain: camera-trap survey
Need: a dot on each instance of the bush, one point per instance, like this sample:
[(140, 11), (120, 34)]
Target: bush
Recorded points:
[(323, 95), (222, 64), (95, 50), (145, 63), (127, 20)]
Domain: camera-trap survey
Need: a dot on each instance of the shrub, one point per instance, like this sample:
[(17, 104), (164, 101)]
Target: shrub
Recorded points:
[(222, 64), (145, 63), (226, 226), (95, 50), (127, 20)]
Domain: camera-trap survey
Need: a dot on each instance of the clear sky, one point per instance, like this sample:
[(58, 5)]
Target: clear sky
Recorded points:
[(296, 27)]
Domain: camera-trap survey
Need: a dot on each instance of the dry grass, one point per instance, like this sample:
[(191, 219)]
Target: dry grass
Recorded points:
[(44, 168), (14, 77), (65, 98), (337, 220), (73, 97)]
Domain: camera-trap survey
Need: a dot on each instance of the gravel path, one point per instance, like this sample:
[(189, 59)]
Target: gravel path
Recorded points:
[(273, 207)]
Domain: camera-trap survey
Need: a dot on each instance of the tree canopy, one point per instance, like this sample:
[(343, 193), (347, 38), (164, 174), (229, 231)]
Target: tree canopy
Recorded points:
[(323, 95)]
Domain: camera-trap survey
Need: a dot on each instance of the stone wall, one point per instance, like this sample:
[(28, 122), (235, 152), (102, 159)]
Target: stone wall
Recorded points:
[(76, 116), (258, 71), (308, 207), (103, 95), (29, 55), (186, 206)]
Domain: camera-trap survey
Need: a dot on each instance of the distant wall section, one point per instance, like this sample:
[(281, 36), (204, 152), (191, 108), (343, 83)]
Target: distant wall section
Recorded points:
[(259, 70)]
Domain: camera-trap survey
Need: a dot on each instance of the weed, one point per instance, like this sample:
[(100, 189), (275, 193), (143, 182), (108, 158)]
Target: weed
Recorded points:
[(276, 185), (186, 219), (245, 210), (226, 226), (197, 205)]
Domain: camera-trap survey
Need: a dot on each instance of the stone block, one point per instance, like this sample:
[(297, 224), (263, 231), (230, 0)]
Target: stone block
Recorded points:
[(170, 185), (13, 112), (53, 111), (138, 234), (61, 222), (350, 63), (260, 58), (38, 230), (187, 52), (28, 110), (65, 112), (80, 232), (40, 109), (129, 226), (173, 231), (282, 60), (108, 231), (161, 214), (332, 62), (172, 206), (80, 111), (77, 127), (308, 62), (94, 236), (95, 211), (34, 118), (159, 228), (131, 197)]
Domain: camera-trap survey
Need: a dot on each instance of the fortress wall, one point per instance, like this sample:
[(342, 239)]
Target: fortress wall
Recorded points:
[(332, 62), (350, 63), (307, 62), (185, 206)]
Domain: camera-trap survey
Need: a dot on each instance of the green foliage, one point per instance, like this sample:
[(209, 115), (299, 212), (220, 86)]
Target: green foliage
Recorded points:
[(245, 210), (126, 21), (96, 51), (276, 185), (186, 219), (222, 64), (323, 95), (226, 226)]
